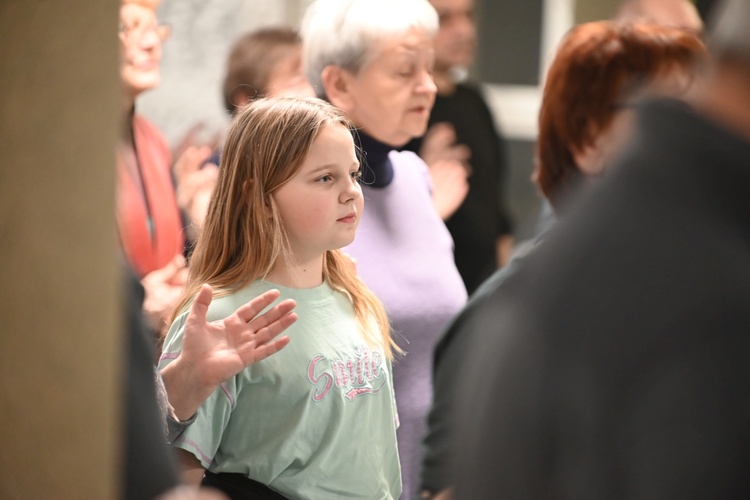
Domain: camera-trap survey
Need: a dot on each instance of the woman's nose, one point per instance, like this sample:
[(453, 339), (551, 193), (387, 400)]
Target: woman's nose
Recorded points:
[(426, 84)]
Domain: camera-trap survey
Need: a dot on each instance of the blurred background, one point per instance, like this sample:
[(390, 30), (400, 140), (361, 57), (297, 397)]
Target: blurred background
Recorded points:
[(516, 40)]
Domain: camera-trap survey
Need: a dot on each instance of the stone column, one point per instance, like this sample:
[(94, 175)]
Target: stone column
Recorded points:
[(60, 344)]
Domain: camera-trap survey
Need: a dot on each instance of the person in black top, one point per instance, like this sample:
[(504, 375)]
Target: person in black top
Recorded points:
[(614, 365), (462, 129), (149, 466)]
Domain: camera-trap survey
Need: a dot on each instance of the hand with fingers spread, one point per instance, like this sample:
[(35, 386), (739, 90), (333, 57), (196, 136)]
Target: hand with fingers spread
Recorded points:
[(214, 352)]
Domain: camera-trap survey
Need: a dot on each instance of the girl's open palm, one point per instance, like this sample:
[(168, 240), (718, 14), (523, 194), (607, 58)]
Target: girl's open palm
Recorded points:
[(221, 349)]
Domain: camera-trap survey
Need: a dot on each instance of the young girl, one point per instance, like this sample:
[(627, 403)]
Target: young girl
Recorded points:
[(318, 419)]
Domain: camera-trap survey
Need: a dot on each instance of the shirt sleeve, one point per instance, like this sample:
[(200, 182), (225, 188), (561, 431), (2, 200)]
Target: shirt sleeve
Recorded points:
[(175, 428)]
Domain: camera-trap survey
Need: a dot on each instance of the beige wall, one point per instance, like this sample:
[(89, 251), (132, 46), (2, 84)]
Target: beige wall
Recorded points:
[(59, 344), (594, 10)]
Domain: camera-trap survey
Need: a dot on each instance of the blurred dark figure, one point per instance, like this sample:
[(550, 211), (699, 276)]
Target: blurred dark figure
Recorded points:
[(600, 71), (150, 468), (706, 7), (614, 365)]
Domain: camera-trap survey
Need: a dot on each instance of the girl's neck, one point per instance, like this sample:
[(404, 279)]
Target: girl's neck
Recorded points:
[(307, 273)]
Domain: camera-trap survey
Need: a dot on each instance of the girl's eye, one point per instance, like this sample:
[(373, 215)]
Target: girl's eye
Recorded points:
[(356, 175), (325, 179)]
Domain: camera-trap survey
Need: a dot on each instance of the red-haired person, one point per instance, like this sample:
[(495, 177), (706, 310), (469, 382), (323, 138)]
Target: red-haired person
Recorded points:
[(614, 364), (600, 73)]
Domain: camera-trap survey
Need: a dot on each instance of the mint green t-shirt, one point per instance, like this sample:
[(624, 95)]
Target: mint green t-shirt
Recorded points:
[(316, 420)]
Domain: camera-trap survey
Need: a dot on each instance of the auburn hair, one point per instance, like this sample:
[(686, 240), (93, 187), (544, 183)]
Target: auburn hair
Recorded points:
[(241, 242), (596, 65)]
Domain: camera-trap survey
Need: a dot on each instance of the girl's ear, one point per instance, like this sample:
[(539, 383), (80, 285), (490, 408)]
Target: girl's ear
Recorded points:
[(246, 185), (337, 85), (267, 200)]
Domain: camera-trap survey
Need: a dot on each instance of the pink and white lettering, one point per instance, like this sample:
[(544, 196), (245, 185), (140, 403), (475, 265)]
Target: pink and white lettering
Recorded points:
[(354, 377)]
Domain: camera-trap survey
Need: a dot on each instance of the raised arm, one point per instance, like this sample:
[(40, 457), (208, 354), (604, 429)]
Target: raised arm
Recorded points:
[(213, 352)]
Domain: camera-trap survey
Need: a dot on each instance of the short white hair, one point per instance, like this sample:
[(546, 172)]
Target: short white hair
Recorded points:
[(730, 29), (342, 32)]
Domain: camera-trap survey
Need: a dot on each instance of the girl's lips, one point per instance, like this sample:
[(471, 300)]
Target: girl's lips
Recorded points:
[(348, 218)]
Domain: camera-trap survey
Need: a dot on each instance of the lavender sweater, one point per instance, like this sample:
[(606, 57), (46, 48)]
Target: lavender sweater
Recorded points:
[(404, 254)]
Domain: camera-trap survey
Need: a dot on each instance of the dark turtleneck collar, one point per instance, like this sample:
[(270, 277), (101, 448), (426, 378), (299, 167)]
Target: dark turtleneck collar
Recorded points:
[(377, 170)]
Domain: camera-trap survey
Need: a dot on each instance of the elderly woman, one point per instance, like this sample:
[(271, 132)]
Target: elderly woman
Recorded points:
[(149, 217), (373, 59), (601, 71)]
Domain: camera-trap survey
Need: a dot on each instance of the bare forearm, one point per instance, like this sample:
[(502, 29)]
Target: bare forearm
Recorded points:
[(191, 469), (185, 392)]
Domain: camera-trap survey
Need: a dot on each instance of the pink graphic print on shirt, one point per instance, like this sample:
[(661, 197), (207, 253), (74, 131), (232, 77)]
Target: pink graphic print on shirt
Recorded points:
[(362, 374)]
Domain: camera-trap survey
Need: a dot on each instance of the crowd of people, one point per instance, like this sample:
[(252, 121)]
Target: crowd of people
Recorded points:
[(329, 303)]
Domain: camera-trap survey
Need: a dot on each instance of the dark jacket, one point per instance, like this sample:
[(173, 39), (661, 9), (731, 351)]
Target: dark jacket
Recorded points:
[(614, 364)]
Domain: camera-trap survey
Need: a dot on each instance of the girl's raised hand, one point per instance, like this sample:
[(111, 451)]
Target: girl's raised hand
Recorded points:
[(213, 352)]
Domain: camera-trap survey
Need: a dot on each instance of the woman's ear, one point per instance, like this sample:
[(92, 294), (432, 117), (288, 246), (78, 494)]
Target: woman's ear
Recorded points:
[(246, 185), (337, 85)]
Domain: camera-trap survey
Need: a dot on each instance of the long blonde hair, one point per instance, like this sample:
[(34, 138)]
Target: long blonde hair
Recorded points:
[(267, 143)]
